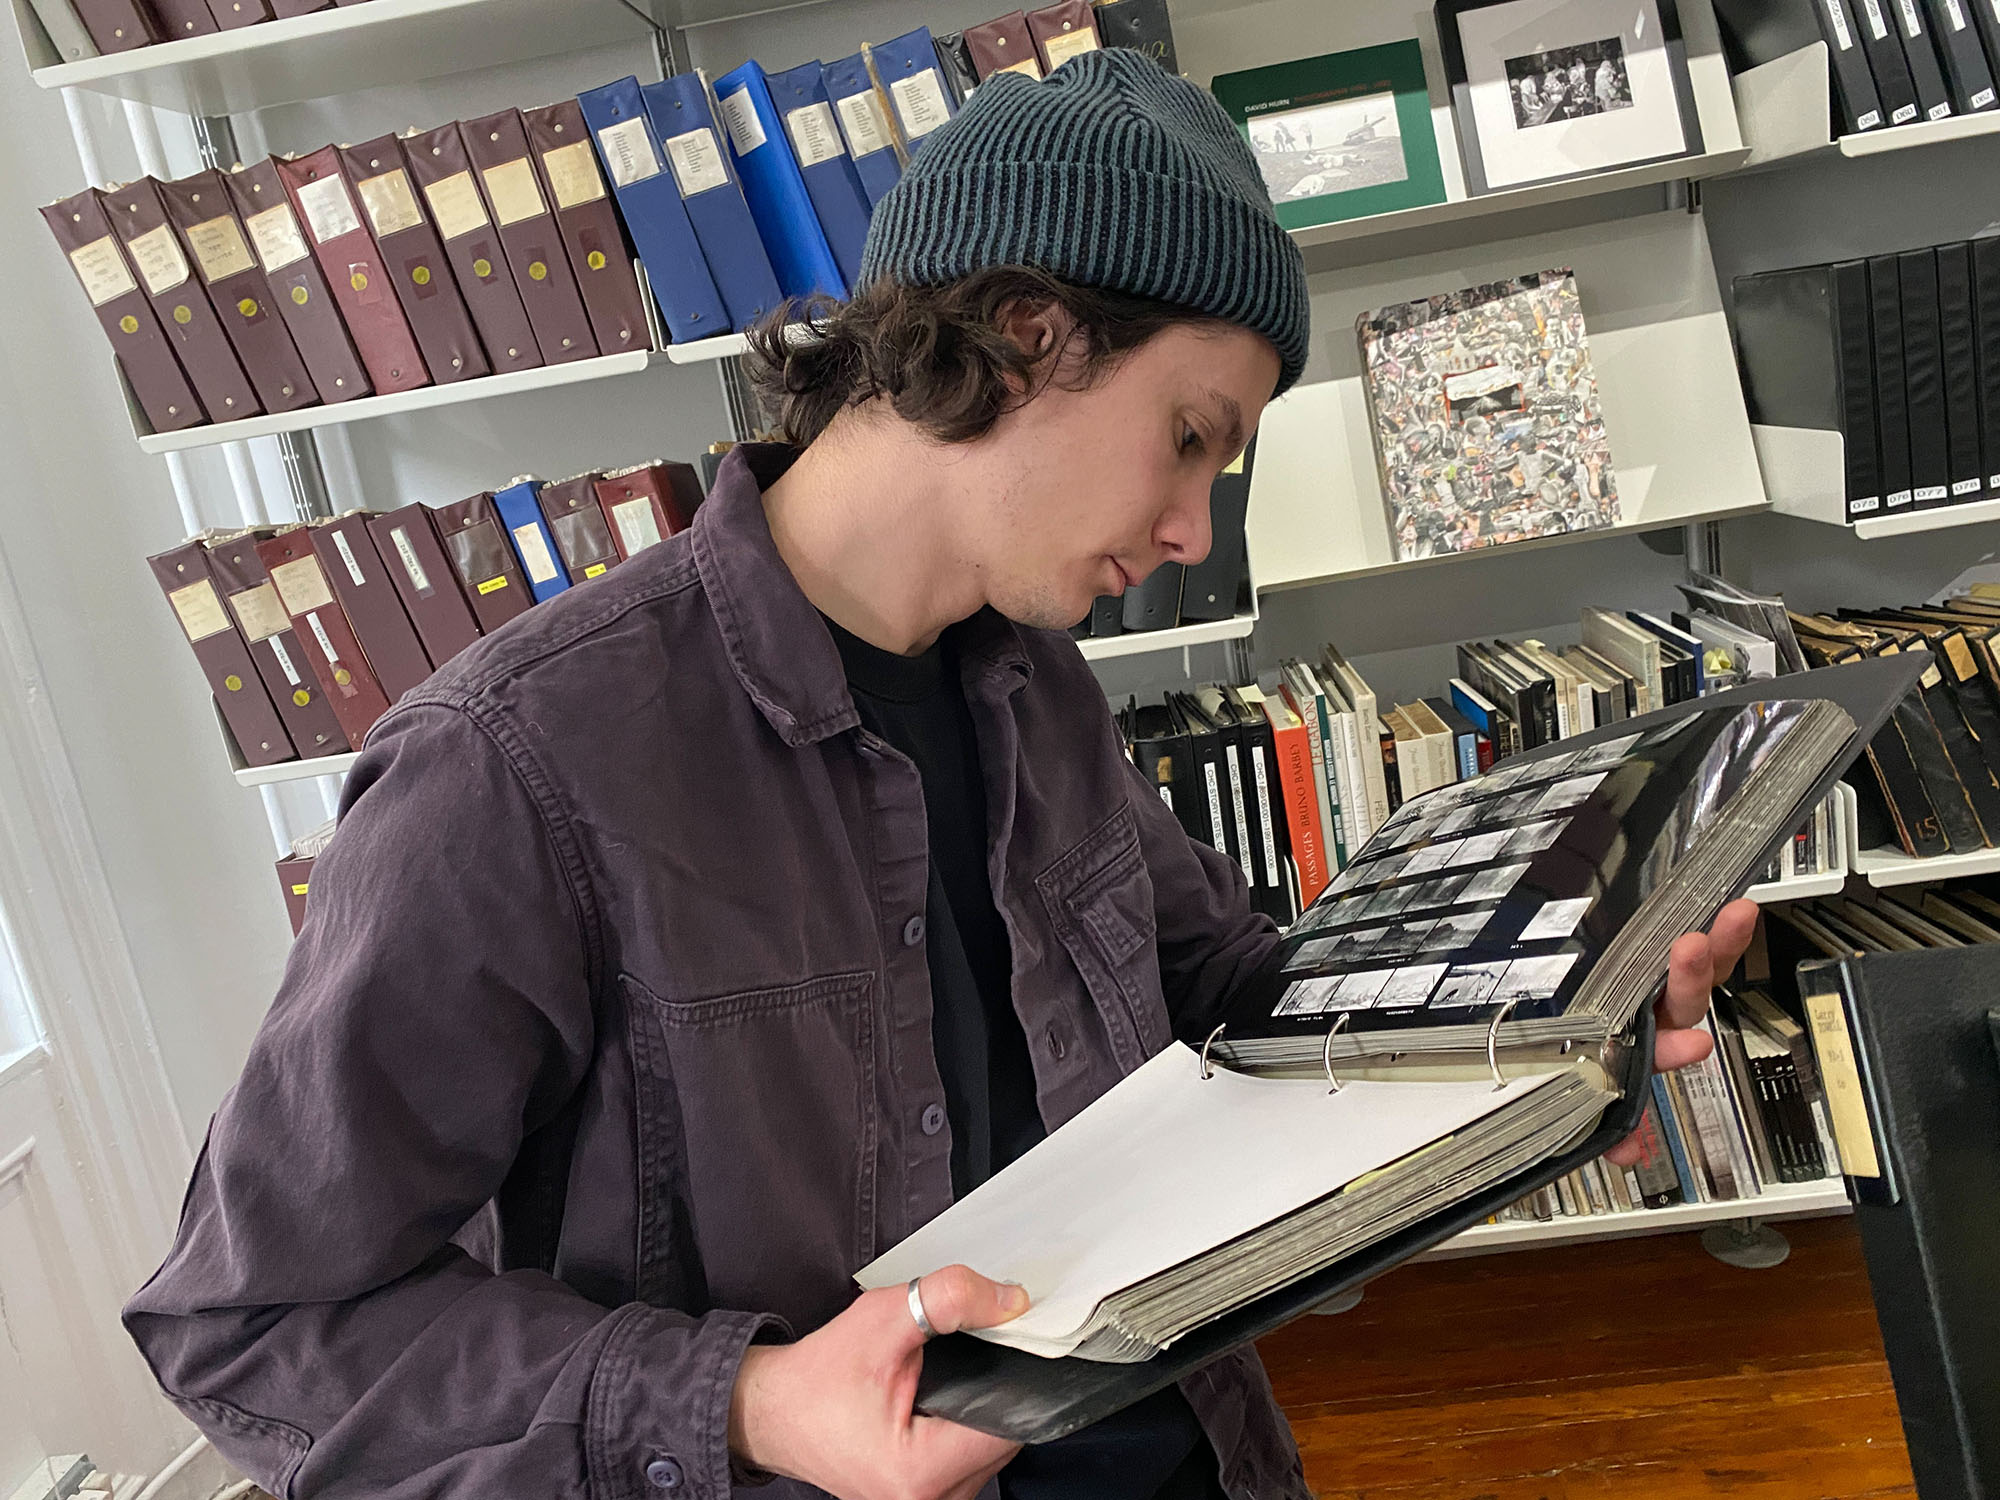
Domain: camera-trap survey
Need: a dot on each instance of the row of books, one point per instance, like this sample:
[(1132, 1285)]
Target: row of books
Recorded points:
[(1900, 354), (1216, 588), (1898, 61), (88, 28), (306, 634)]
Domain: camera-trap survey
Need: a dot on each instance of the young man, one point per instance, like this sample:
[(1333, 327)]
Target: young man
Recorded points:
[(708, 930)]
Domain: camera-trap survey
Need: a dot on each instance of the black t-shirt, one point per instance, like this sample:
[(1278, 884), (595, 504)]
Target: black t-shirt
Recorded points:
[(1153, 1450)]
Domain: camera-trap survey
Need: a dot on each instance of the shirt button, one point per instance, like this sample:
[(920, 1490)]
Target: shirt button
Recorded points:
[(913, 932), (664, 1474), (933, 1120)]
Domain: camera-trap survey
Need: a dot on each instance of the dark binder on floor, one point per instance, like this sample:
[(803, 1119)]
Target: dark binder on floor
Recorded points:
[(413, 257), (1958, 340), (576, 522), (1909, 1047), (1156, 603), (487, 569), (1892, 412), (650, 201), (407, 542), (368, 598), (274, 648), (1860, 106), (1882, 40), (240, 693), (1967, 70), (775, 187), (839, 199), (497, 145), (712, 198), (1926, 73), (566, 162), (1923, 379), (1986, 328), (212, 237), (443, 173), (297, 287), (1215, 584)]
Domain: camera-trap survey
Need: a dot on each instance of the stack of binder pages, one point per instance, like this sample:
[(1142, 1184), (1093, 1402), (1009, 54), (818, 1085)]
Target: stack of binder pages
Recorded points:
[(1459, 1019)]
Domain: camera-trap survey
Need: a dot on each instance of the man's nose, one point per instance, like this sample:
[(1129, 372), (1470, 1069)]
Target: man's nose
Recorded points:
[(1184, 532)]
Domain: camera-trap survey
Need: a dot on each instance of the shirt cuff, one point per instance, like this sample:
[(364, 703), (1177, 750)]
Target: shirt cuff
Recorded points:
[(658, 1423)]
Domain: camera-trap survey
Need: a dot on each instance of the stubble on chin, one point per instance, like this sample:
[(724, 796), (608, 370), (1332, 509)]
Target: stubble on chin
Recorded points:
[(1040, 606)]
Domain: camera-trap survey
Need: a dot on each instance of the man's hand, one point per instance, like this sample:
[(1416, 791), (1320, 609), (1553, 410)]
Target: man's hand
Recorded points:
[(1698, 963), (834, 1409)]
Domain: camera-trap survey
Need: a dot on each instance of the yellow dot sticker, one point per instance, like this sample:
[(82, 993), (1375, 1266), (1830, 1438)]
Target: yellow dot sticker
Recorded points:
[(299, 295), (248, 307), (482, 267), (301, 697), (538, 271), (359, 281), (421, 276), (183, 315), (595, 260), (233, 683), (129, 323), (342, 676)]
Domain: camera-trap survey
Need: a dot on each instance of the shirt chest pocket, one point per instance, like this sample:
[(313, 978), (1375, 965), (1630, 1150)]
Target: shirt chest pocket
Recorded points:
[(1099, 897)]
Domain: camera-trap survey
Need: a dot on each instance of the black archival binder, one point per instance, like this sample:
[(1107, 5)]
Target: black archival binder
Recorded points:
[(1215, 583), (1933, 98), (1986, 20), (1986, 329), (1860, 106), (1211, 774), (1958, 338), (1925, 1062), (1164, 752), (1923, 379), (1027, 1399), (1966, 69), (1882, 40), (1892, 412), (1156, 603)]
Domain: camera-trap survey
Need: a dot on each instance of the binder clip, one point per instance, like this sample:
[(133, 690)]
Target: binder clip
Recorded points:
[(1333, 1085), (1206, 1070), (1493, 1042)]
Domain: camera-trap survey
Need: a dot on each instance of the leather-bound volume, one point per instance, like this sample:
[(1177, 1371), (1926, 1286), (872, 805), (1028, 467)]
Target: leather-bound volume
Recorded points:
[(274, 649), (564, 160), (1002, 45), (497, 145), (118, 25), (328, 641), (319, 190), (82, 228), (225, 659), (212, 237), (407, 542), (1062, 31), (443, 174), (1144, 26), (482, 560), (304, 301), (283, 9), (576, 521), (183, 18), (413, 256), (230, 14), (187, 317), (648, 503), (368, 598)]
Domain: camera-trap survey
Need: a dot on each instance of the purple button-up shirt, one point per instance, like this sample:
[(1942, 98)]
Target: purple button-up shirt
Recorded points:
[(607, 1048)]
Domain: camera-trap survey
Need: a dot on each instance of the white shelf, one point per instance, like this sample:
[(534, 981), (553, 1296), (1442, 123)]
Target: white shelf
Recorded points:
[(1798, 887), (545, 377), (1886, 867), (724, 346), (1920, 133), (1805, 475), (337, 51), (1778, 1201), (295, 770), (1785, 109), (1138, 642)]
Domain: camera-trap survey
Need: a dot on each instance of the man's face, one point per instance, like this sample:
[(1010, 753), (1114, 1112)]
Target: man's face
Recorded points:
[(1085, 492)]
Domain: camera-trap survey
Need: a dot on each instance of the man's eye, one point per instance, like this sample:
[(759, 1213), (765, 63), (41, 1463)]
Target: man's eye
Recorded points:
[(1190, 440)]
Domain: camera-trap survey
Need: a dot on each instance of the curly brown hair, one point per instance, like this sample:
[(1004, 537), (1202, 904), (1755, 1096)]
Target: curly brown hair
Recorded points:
[(940, 354)]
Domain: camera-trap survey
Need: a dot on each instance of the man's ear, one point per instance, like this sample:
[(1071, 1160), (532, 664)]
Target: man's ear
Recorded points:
[(1037, 330)]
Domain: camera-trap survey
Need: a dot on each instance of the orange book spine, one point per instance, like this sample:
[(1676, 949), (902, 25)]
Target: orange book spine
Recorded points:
[(1301, 808)]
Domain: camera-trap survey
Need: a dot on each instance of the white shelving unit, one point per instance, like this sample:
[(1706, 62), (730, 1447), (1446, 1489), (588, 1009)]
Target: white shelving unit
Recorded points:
[(295, 770), (1887, 867), (1805, 476), (1180, 637), (1784, 108), (1778, 1201)]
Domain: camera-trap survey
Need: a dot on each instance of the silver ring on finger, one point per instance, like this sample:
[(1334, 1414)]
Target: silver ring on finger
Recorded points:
[(917, 1308)]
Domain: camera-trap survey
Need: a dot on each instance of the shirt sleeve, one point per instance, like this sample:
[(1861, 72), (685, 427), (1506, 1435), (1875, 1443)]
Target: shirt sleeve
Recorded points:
[(315, 1317)]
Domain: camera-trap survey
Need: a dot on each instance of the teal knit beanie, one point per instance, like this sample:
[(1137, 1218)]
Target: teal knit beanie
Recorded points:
[(1110, 173)]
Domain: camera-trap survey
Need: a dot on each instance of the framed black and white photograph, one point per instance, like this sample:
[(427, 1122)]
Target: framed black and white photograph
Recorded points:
[(1547, 89)]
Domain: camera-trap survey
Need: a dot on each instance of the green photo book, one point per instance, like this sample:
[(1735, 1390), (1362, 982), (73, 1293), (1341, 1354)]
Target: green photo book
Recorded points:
[(1340, 136)]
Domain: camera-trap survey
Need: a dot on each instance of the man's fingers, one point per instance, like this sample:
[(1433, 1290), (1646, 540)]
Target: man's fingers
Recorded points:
[(958, 1297), (1729, 937), (1627, 1152), (1690, 976), (1679, 1049)]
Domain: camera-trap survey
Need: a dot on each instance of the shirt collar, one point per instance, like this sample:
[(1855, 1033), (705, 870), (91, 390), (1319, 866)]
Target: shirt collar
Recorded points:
[(778, 646)]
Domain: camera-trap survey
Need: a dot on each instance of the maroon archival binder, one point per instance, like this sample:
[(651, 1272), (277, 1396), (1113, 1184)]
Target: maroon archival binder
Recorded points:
[(497, 146), (83, 229), (438, 164), (324, 634), (483, 560), (225, 659), (576, 521), (117, 25), (320, 193), (414, 258), (229, 14), (648, 503), (388, 639), (304, 301), (591, 230), (274, 650), (183, 18), (407, 542), (187, 317), (212, 237)]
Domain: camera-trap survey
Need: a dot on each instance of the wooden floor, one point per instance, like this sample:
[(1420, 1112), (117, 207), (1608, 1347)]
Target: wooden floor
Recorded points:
[(1640, 1368)]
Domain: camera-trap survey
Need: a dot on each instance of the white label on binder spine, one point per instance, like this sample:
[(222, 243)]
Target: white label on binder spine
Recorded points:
[(260, 614), (638, 528), (1065, 45), (739, 118), (329, 211), (284, 661), (103, 271), (514, 191), (815, 138), (1899, 497), (1956, 14), (419, 579), (455, 205), (629, 152), (1214, 797), (276, 235), (1912, 27), (534, 553), (1964, 487), (1837, 13), (320, 635), (347, 556), (391, 206), (219, 249), (1877, 27), (1870, 120), (201, 613), (697, 162), (1983, 98), (158, 256), (573, 175), (861, 118), (1871, 502), (1271, 875), (1930, 492), (920, 103)]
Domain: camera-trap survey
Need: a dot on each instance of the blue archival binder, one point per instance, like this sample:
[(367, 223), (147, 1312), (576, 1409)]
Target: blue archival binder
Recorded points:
[(820, 149), (865, 123), (774, 186), (678, 108), (528, 532), (650, 204), (909, 71)]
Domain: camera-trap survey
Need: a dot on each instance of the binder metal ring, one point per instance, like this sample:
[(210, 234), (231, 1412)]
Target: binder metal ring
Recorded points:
[(1493, 1042), (1333, 1085), (1206, 1070)]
